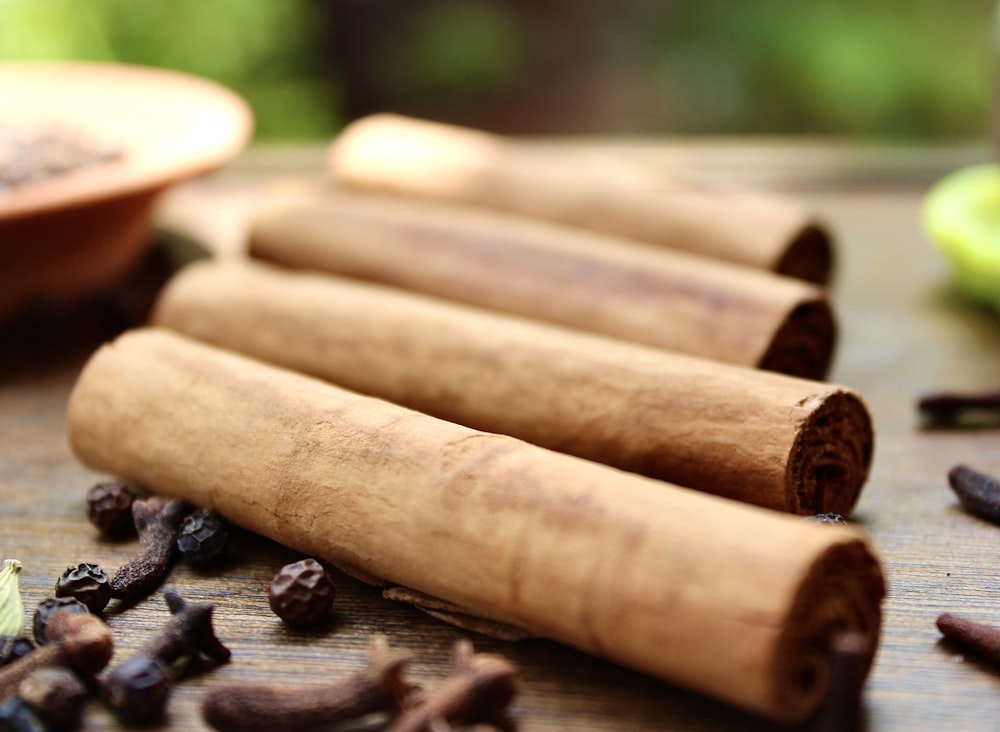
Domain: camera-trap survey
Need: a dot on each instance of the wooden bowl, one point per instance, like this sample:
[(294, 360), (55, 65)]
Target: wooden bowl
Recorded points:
[(76, 232)]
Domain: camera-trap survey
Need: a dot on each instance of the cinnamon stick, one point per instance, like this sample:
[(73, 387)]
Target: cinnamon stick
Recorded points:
[(764, 438), (391, 153), (726, 599), (540, 270)]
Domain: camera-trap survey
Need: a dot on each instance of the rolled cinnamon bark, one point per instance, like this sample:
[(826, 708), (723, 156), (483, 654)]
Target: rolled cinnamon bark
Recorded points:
[(570, 277), (397, 154), (726, 599), (783, 443)]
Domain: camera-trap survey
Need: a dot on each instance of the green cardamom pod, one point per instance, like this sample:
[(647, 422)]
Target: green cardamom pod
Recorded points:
[(11, 607)]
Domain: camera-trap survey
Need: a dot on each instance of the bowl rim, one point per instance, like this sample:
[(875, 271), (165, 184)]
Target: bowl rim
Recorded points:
[(170, 125)]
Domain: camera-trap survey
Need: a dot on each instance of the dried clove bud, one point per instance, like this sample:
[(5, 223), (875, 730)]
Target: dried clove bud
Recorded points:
[(842, 710), (87, 583), (47, 608), (188, 633), (954, 409), (978, 493), (78, 641), (11, 607), (979, 638), (478, 690), (109, 508), (157, 521), (379, 686), (56, 696), (137, 691), (301, 593)]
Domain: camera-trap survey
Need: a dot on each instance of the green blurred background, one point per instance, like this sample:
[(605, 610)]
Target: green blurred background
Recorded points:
[(886, 70)]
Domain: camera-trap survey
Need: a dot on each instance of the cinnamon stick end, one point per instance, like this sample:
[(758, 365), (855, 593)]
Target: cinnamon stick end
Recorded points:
[(832, 454), (804, 343), (809, 255)]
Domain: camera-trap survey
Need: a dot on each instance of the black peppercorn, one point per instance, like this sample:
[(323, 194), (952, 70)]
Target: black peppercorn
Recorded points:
[(138, 690), (203, 538), (87, 583), (47, 607), (109, 508), (12, 647), (301, 593)]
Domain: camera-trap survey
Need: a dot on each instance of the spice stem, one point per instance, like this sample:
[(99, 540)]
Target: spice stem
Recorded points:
[(158, 522), (478, 690), (981, 639), (188, 631), (947, 408), (80, 641), (978, 493), (842, 710), (379, 686)]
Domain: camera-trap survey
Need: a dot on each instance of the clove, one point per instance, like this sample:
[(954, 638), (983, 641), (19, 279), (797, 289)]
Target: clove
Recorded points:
[(17, 716), (378, 687), (157, 521), (981, 639), (477, 691), (78, 641), (952, 409), (56, 696), (137, 691), (842, 709), (978, 493)]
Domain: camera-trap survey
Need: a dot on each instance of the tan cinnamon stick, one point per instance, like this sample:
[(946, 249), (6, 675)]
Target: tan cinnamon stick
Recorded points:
[(416, 157), (571, 277), (776, 441), (727, 599)]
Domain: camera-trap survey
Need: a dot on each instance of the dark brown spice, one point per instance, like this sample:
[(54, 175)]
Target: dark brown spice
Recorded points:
[(157, 522), (203, 539), (79, 641), (952, 409), (978, 493), (109, 508), (87, 583), (842, 709), (137, 691), (47, 608), (979, 638), (301, 593), (377, 687), (478, 690), (55, 695), (188, 633)]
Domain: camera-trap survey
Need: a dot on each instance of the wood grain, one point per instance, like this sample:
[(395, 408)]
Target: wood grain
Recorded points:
[(905, 332)]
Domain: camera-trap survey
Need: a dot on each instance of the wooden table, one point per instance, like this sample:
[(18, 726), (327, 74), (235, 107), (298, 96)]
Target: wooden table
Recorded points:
[(904, 332)]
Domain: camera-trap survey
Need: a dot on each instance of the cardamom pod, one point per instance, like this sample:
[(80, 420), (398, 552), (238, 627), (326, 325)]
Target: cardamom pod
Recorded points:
[(11, 607)]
